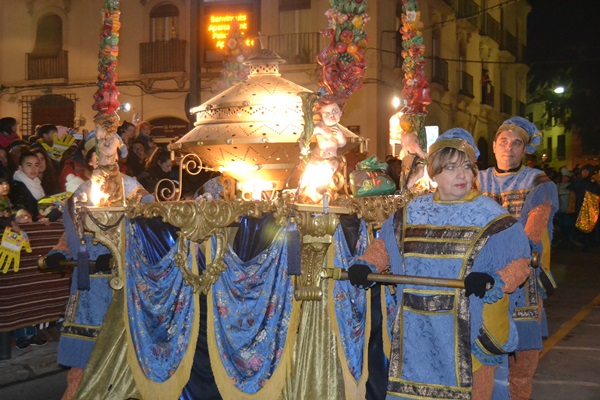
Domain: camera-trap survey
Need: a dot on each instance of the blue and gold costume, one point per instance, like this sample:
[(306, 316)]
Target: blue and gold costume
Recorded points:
[(520, 192), (440, 336)]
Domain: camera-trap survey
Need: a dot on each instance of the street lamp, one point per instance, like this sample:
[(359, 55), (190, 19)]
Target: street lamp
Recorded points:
[(559, 90)]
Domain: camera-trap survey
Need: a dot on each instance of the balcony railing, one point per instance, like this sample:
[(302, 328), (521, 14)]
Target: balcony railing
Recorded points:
[(164, 56), (56, 67), (510, 43), (506, 106), (465, 84), (487, 95), (468, 9), (298, 48), (490, 27), (439, 69)]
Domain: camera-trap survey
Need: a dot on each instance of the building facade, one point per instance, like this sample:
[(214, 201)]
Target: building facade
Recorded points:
[(169, 60)]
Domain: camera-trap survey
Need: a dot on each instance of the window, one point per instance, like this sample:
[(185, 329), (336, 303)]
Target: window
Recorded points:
[(48, 40), (38, 110), (164, 22), (560, 147)]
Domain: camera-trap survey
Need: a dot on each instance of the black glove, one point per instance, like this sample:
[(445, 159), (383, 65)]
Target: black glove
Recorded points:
[(103, 263), (53, 262), (54, 215), (477, 283), (357, 274)]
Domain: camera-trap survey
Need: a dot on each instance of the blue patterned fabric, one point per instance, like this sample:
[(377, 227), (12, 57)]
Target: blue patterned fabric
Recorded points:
[(436, 328), (520, 192), (160, 305), (350, 302), (252, 303)]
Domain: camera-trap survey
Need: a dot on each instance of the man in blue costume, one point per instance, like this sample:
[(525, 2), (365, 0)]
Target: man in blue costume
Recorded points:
[(447, 342), (531, 197), (88, 301)]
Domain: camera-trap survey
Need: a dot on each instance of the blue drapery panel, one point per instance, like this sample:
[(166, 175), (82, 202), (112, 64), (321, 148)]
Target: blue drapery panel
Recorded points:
[(252, 308), (350, 302), (160, 305), (254, 235)]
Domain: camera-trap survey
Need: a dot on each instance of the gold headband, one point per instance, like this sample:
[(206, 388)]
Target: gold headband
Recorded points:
[(515, 129), (456, 143)]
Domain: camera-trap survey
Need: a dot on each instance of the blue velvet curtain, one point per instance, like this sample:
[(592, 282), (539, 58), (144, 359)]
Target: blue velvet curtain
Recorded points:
[(253, 236), (159, 303)]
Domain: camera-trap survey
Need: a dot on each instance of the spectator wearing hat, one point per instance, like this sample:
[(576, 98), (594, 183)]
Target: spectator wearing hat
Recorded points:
[(531, 197), (584, 184), (446, 342)]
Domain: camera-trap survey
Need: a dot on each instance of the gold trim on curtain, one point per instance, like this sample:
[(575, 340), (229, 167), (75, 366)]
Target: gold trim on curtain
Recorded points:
[(172, 387), (273, 387), (107, 375)]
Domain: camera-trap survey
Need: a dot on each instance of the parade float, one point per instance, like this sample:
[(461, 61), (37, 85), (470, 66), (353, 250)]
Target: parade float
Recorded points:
[(228, 296)]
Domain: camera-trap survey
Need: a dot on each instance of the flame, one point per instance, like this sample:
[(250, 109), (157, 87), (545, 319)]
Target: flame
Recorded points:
[(257, 190), (239, 170), (316, 178), (97, 195)]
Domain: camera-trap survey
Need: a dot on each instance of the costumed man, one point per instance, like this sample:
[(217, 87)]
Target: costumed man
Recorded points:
[(531, 197), (447, 342), (90, 291)]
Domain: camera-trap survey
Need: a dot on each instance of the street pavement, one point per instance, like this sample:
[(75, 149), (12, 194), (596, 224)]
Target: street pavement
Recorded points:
[(569, 367)]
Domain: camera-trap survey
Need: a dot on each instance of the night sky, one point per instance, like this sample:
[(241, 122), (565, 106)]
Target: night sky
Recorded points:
[(564, 49), (563, 30)]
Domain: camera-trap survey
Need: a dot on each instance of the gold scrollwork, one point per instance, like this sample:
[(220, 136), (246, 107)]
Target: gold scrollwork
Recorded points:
[(107, 226), (317, 235), (168, 190), (375, 209), (198, 221)]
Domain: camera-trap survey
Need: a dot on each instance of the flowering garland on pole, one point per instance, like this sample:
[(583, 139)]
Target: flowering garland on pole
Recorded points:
[(416, 88), (235, 53), (343, 60), (106, 101), (107, 185)]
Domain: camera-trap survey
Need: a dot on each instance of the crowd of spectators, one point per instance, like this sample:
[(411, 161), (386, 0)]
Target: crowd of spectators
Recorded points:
[(54, 162), (572, 186)]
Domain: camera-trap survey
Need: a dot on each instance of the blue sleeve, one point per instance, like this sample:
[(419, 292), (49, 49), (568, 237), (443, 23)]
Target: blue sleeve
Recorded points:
[(389, 238), (503, 248)]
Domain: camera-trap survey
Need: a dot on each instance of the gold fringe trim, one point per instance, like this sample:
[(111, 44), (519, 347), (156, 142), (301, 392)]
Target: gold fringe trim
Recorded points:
[(275, 383), (385, 335), (547, 250), (354, 390), (172, 387)]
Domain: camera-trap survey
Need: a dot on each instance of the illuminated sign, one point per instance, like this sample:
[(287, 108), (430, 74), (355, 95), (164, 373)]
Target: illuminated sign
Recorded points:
[(219, 25)]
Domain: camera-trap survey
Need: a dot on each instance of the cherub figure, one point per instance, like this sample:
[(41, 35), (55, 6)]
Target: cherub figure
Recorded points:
[(327, 131), (319, 175)]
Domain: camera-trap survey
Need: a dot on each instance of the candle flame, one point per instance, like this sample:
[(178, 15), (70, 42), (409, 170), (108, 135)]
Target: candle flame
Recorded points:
[(97, 195), (316, 178)]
